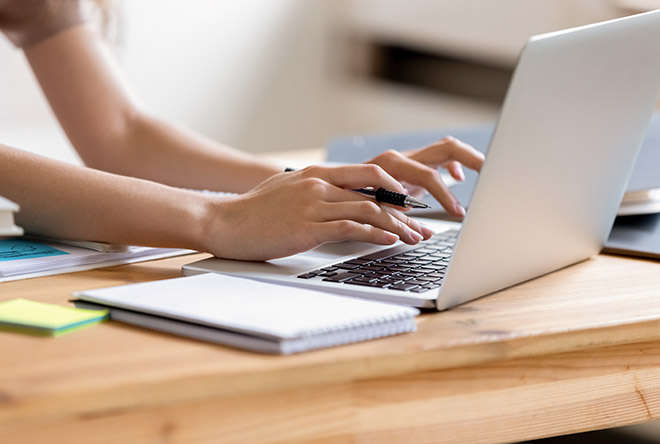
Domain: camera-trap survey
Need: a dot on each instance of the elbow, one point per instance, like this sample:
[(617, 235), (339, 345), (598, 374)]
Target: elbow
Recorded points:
[(112, 147)]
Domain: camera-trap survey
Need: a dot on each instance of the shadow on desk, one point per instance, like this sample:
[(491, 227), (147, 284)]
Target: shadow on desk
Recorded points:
[(636, 434)]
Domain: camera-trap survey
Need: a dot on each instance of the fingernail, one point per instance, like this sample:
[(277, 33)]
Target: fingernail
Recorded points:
[(459, 209), (391, 237), (427, 232), (416, 236)]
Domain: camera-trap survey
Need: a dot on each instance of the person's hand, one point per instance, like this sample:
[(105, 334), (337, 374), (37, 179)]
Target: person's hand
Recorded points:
[(418, 169), (296, 211)]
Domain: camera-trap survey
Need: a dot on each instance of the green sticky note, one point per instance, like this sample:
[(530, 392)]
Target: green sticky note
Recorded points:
[(42, 319)]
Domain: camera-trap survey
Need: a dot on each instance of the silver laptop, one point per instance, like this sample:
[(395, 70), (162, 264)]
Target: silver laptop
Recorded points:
[(555, 172)]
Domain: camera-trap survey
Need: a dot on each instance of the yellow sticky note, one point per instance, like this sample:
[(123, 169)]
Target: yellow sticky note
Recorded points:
[(39, 318)]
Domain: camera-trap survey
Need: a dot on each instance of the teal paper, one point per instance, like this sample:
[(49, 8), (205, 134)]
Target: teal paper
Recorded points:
[(13, 249)]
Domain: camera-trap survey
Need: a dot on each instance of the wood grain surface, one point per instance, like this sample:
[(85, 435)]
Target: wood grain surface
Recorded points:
[(573, 350)]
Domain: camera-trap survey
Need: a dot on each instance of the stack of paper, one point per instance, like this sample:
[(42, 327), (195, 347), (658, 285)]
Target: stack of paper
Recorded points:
[(640, 202), (41, 319), (7, 226), (23, 258), (250, 314)]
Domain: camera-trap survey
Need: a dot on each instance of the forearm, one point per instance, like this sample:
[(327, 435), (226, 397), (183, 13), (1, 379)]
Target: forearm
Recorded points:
[(99, 115), (61, 200), (173, 155)]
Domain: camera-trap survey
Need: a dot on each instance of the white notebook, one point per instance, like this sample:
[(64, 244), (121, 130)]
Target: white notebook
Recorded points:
[(249, 314)]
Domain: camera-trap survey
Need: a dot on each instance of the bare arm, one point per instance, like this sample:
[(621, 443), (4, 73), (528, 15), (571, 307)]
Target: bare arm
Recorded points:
[(287, 214), (109, 131), (277, 214), (67, 201)]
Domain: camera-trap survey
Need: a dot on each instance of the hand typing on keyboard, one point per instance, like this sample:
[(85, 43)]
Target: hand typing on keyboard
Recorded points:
[(402, 268), (297, 211), (418, 169)]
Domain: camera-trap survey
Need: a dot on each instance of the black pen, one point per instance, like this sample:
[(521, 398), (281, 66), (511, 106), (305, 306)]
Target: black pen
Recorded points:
[(387, 196), (392, 197)]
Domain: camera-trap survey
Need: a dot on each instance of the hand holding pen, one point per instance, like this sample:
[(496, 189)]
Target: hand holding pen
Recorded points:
[(393, 198), (387, 196), (293, 212)]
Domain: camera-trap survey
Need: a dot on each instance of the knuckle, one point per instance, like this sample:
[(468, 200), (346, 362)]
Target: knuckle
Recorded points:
[(344, 227), (387, 156), (430, 174), (312, 170), (378, 172), (314, 184), (373, 233), (370, 208)]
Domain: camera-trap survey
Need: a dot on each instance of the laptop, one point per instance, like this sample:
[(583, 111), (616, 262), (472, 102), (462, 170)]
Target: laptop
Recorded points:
[(563, 149)]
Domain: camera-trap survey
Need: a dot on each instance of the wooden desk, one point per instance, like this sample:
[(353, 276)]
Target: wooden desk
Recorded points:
[(574, 350)]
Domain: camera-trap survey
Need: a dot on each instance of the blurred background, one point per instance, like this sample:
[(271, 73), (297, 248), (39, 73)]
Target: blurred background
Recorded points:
[(287, 74), (293, 74)]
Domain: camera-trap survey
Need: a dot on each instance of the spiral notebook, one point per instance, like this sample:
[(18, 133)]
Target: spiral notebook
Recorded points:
[(249, 314)]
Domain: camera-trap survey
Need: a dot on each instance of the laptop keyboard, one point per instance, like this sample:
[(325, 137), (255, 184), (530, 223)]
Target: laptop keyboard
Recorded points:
[(416, 268)]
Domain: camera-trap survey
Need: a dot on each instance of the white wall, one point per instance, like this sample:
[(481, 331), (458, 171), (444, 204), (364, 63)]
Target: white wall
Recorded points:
[(266, 74), (250, 73)]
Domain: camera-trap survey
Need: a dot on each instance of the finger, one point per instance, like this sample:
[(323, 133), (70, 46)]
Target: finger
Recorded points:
[(466, 154), (369, 212), (340, 230), (450, 149), (414, 172), (336, 194), (455, 170), (355, 176), (425, 231)]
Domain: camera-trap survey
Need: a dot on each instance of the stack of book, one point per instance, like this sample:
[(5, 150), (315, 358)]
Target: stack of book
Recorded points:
[(26, 257), (7, 226)]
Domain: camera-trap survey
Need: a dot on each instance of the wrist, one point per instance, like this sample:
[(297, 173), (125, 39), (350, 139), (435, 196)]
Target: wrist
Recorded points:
[(211, 223)]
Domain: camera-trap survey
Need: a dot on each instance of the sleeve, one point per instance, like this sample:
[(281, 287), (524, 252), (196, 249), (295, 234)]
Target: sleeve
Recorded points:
[(27, 22)]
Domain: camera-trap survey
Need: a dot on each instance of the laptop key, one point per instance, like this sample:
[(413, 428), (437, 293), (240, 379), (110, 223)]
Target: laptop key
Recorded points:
[(420, 290), (357, 261), (403, 286), (410, 274), (436, 275), (427, 279), (388, 252), (341, 277), (371, 268), (420, 262), (431, 286), (363, 279), (307, 275)]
